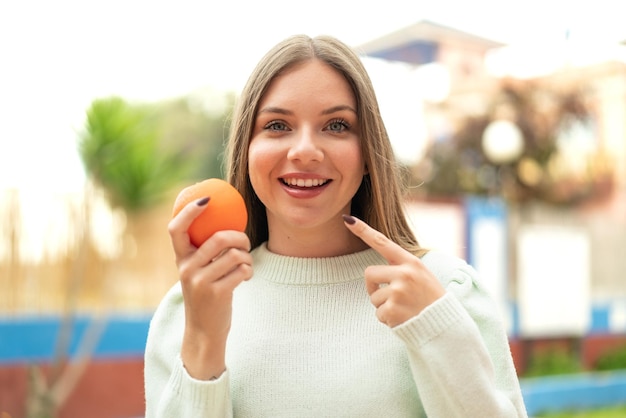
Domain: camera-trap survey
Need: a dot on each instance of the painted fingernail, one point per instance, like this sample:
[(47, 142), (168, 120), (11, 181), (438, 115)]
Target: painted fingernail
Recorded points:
[(203, 201), (349, 219)]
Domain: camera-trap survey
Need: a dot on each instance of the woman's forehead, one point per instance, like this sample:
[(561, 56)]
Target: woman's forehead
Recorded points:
[(312, 80)]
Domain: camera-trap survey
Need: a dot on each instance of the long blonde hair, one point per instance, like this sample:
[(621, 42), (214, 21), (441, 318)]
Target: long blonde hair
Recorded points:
[(379, 199)]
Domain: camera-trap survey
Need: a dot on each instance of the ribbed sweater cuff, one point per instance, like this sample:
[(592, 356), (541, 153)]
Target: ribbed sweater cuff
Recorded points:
[(211, 395), (431, 322)]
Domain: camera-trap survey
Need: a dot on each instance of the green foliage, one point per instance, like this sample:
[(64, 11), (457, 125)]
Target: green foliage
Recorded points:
[(613, 359), (139, 153), (196, 133), (121, 152), (553, 362)]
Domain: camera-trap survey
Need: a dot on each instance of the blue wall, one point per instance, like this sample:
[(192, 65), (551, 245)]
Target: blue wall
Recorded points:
[(36, 339)]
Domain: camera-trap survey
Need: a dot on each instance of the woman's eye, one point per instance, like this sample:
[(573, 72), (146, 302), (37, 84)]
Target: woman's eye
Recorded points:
[(276, 125), (338, 125)]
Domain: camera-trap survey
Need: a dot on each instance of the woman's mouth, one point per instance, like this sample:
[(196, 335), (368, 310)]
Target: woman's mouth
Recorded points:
[(304, 183)]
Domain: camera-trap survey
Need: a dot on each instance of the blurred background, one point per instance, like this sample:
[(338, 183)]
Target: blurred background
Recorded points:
[(508, 118)]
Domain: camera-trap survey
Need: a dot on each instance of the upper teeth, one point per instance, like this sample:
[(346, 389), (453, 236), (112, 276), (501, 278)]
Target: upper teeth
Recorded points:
[(305, 182)]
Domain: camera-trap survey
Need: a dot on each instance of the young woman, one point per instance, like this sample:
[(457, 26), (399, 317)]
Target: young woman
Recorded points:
[(326, 306)]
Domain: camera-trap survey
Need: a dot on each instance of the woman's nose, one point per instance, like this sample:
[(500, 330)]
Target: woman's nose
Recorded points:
[(305, 147)]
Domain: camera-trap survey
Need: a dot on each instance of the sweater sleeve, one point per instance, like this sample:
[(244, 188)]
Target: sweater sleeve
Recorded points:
[(459, 352), (169, 390)]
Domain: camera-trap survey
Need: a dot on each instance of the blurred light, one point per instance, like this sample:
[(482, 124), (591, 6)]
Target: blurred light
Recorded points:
[(529, 172), (502, 142)]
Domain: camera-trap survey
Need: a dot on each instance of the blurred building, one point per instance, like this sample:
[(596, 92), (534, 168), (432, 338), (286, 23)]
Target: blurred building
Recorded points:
[(461, 54)]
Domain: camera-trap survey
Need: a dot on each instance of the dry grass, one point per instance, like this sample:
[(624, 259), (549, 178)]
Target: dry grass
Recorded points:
[(74, 254)]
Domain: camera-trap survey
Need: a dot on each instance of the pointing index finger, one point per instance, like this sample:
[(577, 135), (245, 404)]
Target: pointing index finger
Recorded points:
[(391, 251)]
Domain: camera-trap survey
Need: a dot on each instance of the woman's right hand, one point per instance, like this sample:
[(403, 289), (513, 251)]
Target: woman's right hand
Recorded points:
[(208, 276)]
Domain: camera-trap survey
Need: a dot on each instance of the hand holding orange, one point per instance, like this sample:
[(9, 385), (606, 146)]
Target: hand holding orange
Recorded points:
[(225, 209)]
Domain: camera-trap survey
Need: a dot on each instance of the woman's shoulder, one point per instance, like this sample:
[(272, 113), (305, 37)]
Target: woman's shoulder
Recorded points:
[(447, 267)]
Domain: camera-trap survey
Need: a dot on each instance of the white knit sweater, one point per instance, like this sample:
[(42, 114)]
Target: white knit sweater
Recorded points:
[(305, 342)]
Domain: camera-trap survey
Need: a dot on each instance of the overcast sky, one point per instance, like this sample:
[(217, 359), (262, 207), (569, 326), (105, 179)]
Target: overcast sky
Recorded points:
[(56, 57)]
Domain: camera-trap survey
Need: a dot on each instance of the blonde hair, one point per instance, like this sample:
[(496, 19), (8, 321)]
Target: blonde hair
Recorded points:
[(379, 199)]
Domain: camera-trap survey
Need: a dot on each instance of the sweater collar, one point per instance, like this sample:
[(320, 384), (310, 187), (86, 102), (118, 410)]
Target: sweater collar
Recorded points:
[(312, 271)]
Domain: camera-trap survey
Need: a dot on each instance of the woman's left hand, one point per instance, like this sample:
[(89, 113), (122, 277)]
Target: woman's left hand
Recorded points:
[(402, 289)]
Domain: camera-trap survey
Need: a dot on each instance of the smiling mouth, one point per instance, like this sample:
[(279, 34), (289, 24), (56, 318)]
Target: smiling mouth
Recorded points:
[(304, 183)]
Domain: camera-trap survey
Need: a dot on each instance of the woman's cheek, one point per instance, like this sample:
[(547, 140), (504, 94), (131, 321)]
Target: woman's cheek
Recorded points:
[(262, 157)]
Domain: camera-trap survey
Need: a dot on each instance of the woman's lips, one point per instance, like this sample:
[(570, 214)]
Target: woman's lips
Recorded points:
[(300, 182), (304, 188)]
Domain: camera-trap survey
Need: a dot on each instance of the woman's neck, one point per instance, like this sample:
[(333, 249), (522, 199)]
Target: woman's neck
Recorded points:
[(334, 240)]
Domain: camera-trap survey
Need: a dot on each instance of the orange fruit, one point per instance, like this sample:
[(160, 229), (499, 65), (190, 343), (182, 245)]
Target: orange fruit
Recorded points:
[(225, 210)]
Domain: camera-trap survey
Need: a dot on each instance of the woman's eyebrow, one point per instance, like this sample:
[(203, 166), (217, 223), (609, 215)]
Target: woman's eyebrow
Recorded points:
[(273, 109), (280, 110), (338, 108)]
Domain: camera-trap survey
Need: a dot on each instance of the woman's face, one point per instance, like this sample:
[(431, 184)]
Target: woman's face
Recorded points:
[(305, 160)]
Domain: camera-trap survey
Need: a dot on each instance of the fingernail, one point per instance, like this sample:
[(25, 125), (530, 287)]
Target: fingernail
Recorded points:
[(203, 201), (349, 219)]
